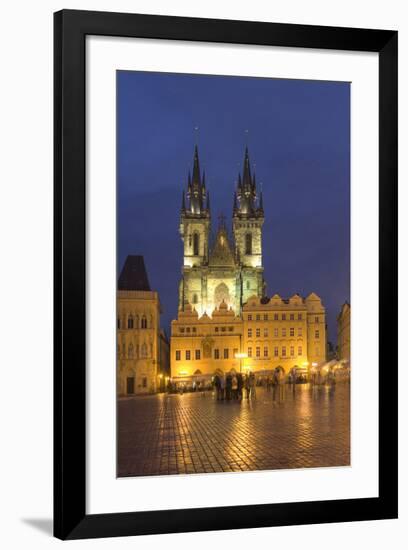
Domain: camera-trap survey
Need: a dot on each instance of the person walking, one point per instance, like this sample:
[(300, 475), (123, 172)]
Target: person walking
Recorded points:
[(252, 385), (234, 387), (240, 381), (228, 386), (247, 386)]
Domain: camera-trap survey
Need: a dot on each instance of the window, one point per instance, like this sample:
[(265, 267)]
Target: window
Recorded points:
[(226, 353), (130, 322), (249, 352), (195, 299), (284, 332), (188, 355), (283, 316), (265, 351), (196, 244), (275, 332), (249, 333), (248, 285), (276, 351), (248, 243), (216, 329), (292, 331), (292, 351), (181, 329), (265, 333), (234, 351), (283, 351), (249, 317), (258, 332), (317, 334), (144, 382), (118, 322), (144, 322), (230, 329), (216, 354), (188, 329), (223, 329), (198, 354), (265, 317), (299, 331), (316, 319), (276, 316), (300, 350), (299, 316), (258, 317), (292, 316), (258, 351), (194, 329)]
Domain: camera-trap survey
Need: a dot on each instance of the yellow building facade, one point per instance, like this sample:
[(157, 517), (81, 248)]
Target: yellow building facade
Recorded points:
[(141, 353), (343, 332)]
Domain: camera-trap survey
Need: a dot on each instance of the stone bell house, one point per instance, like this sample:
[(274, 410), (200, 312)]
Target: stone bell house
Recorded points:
[(142, 347), (223, 311)]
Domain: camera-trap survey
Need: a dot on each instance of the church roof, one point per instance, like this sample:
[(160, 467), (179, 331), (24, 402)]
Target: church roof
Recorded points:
[(221, 253), (133, 275)]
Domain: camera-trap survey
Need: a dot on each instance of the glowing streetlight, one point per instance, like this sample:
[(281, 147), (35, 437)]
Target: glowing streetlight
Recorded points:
[(240, 356)]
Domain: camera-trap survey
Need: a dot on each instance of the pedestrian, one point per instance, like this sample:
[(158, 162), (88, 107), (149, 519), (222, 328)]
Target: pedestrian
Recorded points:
[(228, 386), (234, 387), (217, 385), (222, 387), (240, 381), (252, 385), (247, 386)]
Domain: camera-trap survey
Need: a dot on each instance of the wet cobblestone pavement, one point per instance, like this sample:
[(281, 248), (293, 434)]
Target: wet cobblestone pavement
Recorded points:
[(288, 427)]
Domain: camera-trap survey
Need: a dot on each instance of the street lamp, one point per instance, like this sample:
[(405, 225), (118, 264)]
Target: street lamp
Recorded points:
[(240, 356)]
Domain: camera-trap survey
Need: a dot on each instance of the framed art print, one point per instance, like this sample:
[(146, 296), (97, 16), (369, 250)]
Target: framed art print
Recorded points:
[(225, 274)]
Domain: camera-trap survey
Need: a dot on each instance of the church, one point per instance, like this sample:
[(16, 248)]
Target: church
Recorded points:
[(225, 321)]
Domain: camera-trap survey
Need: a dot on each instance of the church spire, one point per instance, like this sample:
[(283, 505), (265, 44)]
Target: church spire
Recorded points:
[(183, 201), (246, 189), (196, 169), (196, 190)]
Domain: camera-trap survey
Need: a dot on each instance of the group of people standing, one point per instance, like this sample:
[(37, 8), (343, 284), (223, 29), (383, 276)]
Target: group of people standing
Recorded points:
[(232, 386)]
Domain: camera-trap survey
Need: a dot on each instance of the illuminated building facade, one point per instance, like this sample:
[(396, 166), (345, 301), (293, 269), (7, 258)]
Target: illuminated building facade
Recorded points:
[(343, 332), (142, 348), (225, 322)]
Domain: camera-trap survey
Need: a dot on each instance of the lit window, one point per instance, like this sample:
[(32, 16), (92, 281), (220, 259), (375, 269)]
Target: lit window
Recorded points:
[(265, 333), (275, 332), (188, 355), (276, 316), (234, 351), (300, 350), (249, 317), (299, 331), (283, 351), (198, 354), (292, 317), (292, 351), (258, 351), (265, 351), (130, 322), (216, 354), (284, 332), (258, 317), (283, 316), (317, 334), (276, 351), (292, 331), (299, 316), (249, 333), (249, 352), (226, 354), (265, 317), (258, 332)]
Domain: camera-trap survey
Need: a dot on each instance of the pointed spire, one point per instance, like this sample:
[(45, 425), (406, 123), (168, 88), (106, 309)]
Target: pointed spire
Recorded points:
[(196, 168), (203, 183), (183, 202), (208, 201), (239, 181), (246, 176), (235, 207)]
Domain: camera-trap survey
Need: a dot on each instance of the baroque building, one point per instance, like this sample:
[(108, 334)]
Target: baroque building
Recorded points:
[(225, 322), (142, 348), (343, 333)]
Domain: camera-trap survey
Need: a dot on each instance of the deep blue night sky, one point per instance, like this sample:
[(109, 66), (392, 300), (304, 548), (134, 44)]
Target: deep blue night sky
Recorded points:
[(298, 134)]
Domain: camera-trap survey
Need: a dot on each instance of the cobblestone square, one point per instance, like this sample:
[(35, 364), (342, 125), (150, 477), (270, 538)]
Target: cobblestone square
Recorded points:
[(290, 426)]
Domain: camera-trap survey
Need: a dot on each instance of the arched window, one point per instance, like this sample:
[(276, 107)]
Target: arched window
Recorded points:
[(144, 322), (196, 244), (195, 299), (248, 243), (130, 321)]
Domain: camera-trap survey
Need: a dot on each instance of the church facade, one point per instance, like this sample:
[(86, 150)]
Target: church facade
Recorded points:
[(225, 322)]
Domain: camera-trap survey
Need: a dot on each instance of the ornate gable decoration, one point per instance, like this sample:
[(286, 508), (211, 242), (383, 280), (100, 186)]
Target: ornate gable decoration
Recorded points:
[(221, 254)]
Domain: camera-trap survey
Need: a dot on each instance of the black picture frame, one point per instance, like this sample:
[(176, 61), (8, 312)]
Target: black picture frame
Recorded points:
[(71, 28)]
